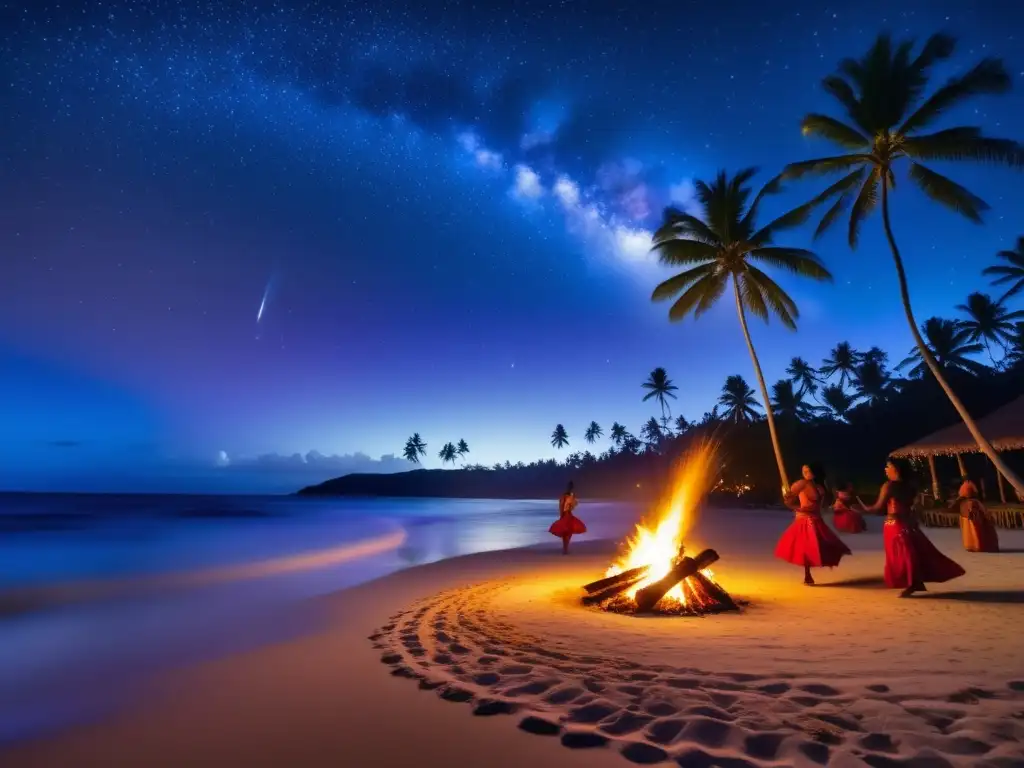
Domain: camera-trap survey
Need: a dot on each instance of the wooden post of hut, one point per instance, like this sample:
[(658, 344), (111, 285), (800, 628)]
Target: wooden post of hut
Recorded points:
[(936, 490), (1002, 485), (960, 464)]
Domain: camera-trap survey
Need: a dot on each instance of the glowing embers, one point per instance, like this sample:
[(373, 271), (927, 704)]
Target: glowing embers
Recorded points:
[(655, 575), (687, 589)]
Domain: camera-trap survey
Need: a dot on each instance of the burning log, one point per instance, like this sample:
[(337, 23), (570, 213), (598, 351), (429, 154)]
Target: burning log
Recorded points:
[(715, 592), (631, 575), (649, 596), (615, 589)]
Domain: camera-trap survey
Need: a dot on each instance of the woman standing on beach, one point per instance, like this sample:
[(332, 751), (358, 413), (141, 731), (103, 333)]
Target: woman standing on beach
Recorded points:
[(976, 530), (910, 557), (809, 541), (567, 523), (845, 518)]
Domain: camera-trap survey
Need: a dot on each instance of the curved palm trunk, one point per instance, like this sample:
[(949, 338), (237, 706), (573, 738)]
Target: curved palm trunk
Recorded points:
[(764, 388), (929, 359)]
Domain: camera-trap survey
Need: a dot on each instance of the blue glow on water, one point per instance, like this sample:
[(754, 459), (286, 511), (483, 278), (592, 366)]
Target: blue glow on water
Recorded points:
[(98, 592)]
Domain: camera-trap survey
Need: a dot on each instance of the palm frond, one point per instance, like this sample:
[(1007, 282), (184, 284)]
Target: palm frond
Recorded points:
[(843, 92), (948, 193), (669, 288), (824, 165), (708, 285), (835, 131), (800, 214), (862, 206), (796, 260), (680, 250), (938, 47), (751, 297), (778, 301), (965, 143), (676, 223), (988, 76)]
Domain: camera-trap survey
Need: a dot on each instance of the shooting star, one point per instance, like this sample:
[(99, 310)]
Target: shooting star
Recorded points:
[(263, 301)]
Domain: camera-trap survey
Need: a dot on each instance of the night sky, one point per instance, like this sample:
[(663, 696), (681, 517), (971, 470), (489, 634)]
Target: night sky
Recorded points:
[(232, 232)]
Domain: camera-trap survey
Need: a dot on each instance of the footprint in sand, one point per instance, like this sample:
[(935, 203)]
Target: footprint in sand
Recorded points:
[(486, 678), (539, 726), (707, 732), (491, 707), (563, 695), (819, 690), (763, 746), (664, 731), (774, 689), (643, 754), (592, 713), (583, 740), (516, 669)]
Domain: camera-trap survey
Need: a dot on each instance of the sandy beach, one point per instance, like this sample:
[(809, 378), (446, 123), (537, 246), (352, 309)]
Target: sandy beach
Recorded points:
[(491, 660)]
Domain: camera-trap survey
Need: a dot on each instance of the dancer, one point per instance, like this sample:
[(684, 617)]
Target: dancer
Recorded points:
[(809, 541), (567, 523), (910, 557), (845, 518), (976, 530)]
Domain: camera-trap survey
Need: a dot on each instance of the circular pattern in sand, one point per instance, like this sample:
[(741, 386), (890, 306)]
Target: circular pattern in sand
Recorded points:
[(468, 646)]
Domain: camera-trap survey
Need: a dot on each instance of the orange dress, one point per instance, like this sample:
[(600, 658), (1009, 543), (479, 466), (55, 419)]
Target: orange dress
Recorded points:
[(567, 523), (845, 518), (910, 557), (808, 541), (976, 530)]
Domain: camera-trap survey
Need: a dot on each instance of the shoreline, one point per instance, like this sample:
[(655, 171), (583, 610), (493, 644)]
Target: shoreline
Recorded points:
[(776, 675)]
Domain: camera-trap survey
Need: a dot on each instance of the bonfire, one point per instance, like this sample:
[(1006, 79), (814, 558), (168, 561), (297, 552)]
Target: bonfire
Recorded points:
[(655, 575)]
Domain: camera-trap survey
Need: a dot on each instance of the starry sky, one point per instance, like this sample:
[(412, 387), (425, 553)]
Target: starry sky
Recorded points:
[(249, 245)]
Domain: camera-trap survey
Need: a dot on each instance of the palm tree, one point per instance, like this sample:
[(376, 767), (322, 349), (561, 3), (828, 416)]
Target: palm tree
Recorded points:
[(872, 382), (414, 448), (988, 321), (727, 246), (559, 437), (948, 345), (631, 444), (618, 433), (875, 355), (462, 448), (789, 403), (837, 401), (1011, 272), (651, 432), (843, 359), (660, 387), (800, 372), (593, 432), (881, 94), (1015, 353), (738, 400), (681, 424), (448, 453)]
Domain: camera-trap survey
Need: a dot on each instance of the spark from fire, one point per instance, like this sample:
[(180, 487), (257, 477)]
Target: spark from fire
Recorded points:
[(657, 544)]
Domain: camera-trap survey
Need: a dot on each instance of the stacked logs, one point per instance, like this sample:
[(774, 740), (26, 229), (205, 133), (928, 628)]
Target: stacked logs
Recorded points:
[(700, 591)]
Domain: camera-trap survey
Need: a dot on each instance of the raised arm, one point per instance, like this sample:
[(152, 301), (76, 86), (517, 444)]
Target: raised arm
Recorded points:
[(792, 497), (880, 505)]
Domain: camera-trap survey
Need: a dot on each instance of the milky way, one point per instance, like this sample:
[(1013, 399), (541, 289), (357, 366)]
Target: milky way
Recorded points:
[(437, 190)]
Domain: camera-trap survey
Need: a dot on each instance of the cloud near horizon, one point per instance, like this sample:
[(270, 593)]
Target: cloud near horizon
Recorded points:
[(314, 463)]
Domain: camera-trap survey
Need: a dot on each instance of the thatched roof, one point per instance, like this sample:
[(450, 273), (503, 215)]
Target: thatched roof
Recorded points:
[(1004, 428)]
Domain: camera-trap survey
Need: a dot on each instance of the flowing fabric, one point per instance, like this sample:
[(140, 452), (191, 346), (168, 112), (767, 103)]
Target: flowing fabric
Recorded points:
[(567, 524), (976, 530), (910, 557), (808, 541), (845, 518)]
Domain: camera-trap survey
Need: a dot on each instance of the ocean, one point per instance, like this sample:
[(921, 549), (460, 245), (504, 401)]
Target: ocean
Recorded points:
[(97, 592)]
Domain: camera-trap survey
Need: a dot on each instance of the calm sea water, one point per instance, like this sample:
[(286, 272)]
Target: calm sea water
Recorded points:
[(98, 592)]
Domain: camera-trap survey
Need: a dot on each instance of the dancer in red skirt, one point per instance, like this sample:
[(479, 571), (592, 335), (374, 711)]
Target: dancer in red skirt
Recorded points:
[(910, 557), (809, 541), (567, 523), (845, 518)]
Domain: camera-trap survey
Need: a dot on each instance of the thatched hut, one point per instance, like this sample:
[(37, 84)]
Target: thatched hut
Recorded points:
[(1004, 428)]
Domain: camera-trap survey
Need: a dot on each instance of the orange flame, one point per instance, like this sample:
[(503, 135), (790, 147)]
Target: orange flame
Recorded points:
[(657, 545)]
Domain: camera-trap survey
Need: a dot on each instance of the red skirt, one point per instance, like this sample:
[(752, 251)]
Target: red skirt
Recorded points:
[(810, 542), (849, 521), (567, 525), (911, 558)]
